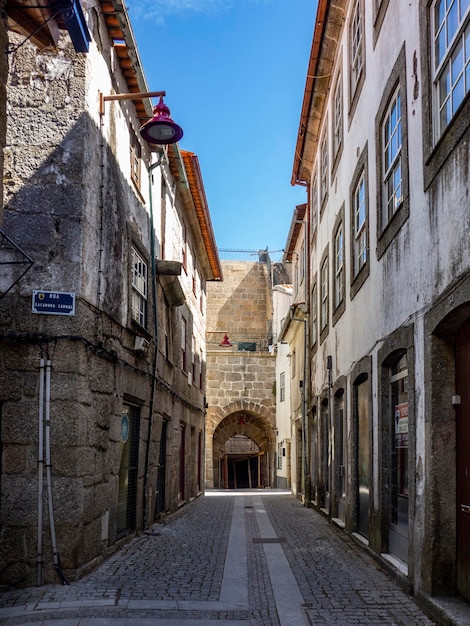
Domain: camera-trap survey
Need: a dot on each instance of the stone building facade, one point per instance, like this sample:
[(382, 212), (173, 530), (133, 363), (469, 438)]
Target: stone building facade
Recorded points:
[(102, 341), (383, 151), (240, 420)]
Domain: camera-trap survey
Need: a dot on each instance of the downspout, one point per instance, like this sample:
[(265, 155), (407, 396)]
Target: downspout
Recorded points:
[(40, 468), (47, 421), (147, 499)]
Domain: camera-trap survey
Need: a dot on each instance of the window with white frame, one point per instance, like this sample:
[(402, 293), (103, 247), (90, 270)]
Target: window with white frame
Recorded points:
[(392, 196), (324, 295), (337, 122), (392, 164), (139, 288), (339, 266), (451, 34), (356, 47), (324, 169), (360, 231), (279, 456), (282, 387)]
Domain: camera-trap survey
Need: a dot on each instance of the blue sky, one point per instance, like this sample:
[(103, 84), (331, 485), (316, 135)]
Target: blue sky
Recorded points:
[(234, 73)]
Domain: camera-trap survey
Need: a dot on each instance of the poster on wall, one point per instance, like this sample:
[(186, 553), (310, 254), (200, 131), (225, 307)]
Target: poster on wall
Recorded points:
[(401, 425)]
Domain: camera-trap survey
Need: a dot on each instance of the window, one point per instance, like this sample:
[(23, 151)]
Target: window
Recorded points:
[(135, 150), (302, 264), (296, 275), (380, 10), (193, 360), (324, 169), (393, 205), (314, 207), (184, 249), (183, 345), (194, 274), (293, 364), (356, 48), (451, 34), (313, 306), (359, 221), (282, 387), (360, 231), (139, 288), (337, 118), (279, 456), (201, 361), (339, 266), (324, 295), (201, 296), (169, 325), (391, 160)]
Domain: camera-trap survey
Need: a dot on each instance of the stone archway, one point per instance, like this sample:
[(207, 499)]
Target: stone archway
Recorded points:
[(248, 419)]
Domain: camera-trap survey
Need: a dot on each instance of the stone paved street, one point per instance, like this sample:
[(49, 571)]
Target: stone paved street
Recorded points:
[(237, 558)]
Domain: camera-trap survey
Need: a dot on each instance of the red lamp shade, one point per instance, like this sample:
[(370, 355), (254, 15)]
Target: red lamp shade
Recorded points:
[(161, 129), (225, 341)]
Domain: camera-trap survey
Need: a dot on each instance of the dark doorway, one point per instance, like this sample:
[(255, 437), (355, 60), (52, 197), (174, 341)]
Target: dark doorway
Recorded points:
[(243, 473), (463, 459), (182, 468), (128, 460), (398, 527), (161, 473), (363, 457)]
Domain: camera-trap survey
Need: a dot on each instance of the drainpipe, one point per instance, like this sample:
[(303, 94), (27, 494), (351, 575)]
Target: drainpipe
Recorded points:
[(40, 468), (47, 422), (146, 500)]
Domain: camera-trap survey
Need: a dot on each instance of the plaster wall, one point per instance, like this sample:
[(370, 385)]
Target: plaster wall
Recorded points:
[(425, 259)]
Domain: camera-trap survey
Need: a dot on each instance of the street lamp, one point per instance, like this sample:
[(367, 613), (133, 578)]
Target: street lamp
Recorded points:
[(160, 129)]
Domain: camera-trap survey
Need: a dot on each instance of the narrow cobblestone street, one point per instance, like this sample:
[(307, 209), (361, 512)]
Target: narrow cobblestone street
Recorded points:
[(238, 558)]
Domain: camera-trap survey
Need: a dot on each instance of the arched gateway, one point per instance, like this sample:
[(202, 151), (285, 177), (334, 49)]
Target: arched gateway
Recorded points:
[(240, 446), (241, 374)]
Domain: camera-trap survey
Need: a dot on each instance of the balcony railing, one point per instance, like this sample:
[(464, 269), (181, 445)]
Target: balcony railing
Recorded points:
[(225, 342), (226, 254)]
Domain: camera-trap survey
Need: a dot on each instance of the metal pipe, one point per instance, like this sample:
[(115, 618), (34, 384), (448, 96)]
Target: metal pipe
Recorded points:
[(145, 507), (47, 420), (40, 469)]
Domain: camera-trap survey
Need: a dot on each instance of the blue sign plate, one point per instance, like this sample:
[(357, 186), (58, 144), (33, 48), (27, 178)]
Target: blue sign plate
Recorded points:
[(54, 302)]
